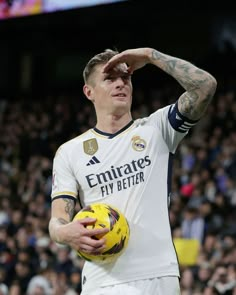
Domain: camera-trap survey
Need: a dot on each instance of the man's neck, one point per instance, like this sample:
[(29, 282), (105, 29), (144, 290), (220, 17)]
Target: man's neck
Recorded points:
[(112, 124)]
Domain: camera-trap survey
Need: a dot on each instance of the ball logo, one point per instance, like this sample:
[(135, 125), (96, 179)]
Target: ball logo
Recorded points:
[(138, 144)]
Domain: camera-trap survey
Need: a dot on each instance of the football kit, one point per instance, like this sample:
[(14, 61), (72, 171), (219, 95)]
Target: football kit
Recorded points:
[(131, 170)]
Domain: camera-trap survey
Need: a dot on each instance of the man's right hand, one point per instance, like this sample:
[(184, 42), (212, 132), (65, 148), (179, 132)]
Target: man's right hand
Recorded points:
[(80, 238)]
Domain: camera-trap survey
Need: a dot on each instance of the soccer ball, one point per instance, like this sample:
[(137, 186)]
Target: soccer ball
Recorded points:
[(118, 236)]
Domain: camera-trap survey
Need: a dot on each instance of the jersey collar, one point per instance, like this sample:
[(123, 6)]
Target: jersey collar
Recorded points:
[(112, 135)]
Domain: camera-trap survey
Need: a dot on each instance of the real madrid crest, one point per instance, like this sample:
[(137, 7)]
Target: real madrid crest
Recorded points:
[(90, 146), (138, 144)]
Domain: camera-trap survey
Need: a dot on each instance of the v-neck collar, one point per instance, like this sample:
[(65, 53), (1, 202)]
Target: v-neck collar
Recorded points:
[(112, 135)]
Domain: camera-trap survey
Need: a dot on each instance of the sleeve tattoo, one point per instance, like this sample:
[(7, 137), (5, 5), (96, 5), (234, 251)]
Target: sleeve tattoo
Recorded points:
[(200, 86), (69, 210)]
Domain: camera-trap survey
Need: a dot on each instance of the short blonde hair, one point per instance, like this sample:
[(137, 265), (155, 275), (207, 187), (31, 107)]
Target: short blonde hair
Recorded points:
[(98, 59)]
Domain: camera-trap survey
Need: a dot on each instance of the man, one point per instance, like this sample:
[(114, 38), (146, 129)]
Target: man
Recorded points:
[(127, 164)]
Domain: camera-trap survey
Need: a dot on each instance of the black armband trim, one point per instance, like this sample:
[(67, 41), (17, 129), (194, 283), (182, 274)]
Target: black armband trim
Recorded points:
[(178, 121), (65, 197)]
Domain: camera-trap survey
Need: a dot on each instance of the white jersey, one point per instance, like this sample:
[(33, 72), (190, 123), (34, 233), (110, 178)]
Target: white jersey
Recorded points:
[(132, 171)]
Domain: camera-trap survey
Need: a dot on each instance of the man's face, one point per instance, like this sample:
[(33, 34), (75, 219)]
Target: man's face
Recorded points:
[(111, 92)]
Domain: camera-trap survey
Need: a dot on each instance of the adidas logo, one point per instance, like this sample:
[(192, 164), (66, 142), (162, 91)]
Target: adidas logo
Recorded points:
[(93, 161)]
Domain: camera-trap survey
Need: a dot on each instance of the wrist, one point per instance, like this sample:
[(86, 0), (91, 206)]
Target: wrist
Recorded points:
[(57, 231), (149, 54), (59, 234)]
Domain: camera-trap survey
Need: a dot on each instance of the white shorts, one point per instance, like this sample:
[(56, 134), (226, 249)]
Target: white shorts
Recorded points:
[(154, 286)]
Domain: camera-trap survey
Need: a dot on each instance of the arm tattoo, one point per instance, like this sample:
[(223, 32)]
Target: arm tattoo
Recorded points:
[(189, 76), (62, 221), (187, 105), (200, 86), (69, 208)]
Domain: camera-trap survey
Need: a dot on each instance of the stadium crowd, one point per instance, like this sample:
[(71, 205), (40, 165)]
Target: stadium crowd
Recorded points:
[(202, 207)]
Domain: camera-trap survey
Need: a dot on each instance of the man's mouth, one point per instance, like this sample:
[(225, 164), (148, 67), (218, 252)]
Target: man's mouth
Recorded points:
[(119, 95)]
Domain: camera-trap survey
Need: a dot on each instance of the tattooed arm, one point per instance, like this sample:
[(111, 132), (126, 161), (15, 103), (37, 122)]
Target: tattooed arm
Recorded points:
[(73, 233), (200, 86), (62, 212)]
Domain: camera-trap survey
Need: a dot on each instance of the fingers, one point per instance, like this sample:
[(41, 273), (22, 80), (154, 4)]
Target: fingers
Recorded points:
[(87, 221), (89, 250), (89, 240), (97, 232), (92, 246), (92, 243), (91, 232), (119, 58)]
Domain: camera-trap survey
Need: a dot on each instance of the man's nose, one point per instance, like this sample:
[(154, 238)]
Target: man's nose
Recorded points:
[(119, 82)]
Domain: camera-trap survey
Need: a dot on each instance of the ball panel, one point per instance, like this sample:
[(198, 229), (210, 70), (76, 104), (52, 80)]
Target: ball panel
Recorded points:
[(118, 236)]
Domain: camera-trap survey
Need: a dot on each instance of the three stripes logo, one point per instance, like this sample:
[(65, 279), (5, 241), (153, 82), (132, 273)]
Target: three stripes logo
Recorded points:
[(93, 161)]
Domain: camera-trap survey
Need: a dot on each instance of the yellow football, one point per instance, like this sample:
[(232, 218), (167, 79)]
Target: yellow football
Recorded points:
[(112, 218)]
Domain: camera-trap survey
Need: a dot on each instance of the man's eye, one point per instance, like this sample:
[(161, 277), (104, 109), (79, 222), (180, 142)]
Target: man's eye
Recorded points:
[(126, 77), (123, 77), (109, 78)]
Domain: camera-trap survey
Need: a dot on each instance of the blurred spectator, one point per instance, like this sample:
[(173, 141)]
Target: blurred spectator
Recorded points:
[(3, 289), (64, 263), (220, 282), (203, 275), (187, 281), (193, 225), (39, 285)]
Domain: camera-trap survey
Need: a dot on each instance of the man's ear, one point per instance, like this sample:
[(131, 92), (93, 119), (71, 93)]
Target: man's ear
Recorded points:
[(88, 92)]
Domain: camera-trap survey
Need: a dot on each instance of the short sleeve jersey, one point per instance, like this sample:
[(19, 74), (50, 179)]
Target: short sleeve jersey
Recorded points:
[(132, 171)]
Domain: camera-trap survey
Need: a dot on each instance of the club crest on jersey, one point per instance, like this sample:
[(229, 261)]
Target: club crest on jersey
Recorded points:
[(90, 146), (138, 144)]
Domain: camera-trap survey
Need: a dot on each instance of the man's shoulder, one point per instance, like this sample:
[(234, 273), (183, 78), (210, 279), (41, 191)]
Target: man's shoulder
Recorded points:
[(159, 112), (74, 142)]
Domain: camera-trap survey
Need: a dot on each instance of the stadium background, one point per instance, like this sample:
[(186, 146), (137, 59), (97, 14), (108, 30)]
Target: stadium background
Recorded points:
[(41, 106)]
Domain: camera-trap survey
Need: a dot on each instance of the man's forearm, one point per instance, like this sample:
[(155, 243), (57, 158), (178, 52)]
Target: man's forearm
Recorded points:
[(55, 226), (200, 86), (187, 74), (62, 213)]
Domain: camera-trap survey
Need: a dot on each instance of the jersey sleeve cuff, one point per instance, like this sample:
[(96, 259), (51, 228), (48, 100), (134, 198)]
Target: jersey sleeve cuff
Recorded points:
[(64, 197)]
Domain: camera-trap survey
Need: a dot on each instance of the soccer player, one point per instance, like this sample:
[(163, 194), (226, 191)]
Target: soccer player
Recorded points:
[(127, 163)]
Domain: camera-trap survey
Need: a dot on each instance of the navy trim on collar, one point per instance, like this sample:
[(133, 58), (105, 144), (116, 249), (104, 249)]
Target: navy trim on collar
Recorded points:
[(111, 135)]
